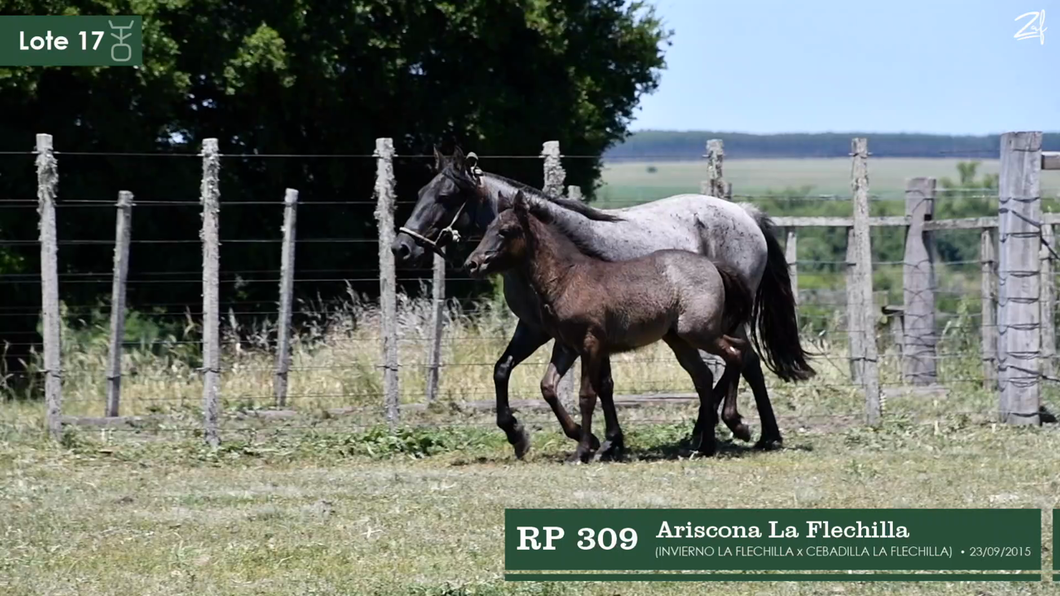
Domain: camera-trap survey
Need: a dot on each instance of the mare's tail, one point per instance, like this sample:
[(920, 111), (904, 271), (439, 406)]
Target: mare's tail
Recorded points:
[(775, 321)]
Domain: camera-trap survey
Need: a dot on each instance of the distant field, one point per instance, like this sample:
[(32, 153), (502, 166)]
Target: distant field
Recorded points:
[(630, 182)]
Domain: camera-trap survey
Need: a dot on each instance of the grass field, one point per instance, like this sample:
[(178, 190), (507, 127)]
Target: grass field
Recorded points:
[(326, 513), (322, 504), (630, 182)]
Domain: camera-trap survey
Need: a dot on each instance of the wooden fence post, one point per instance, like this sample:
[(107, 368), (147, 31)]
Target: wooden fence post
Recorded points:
[(919, 352), (554, 173), (434, 360), (122, 237), (1019, 236), (283, 325), (47, 191), (853, 303), (1047, 301), (384, 216), (715, 185), (988, 293), (574, 193), (865, 322), (791, 255), (211, 308), (555, 176)]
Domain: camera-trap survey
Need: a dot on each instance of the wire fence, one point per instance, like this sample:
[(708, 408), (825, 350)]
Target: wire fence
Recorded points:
[(907, 320)]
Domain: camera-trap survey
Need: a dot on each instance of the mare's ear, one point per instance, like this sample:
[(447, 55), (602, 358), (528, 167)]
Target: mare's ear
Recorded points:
[(458, 159), (439, 160), (520, 204)]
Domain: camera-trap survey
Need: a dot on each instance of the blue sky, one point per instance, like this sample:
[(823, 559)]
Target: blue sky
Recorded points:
[(934, 66)]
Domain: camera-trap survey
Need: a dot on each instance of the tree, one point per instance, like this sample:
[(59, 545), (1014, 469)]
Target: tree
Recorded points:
[(299, 77)]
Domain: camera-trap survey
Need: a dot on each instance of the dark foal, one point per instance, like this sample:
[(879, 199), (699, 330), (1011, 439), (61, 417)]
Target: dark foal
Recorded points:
[(598, 308)]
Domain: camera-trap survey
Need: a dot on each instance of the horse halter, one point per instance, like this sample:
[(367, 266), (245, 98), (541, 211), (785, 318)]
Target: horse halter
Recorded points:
[(449, 232)]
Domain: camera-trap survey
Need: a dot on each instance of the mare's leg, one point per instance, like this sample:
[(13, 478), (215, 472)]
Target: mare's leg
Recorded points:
[(525, 342), (561, 362), (614, 442), (688, 356), (587, 401), (752, 371)]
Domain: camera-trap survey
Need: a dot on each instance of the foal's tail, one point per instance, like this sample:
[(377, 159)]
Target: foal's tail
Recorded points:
[(775, 321), (738, 299)]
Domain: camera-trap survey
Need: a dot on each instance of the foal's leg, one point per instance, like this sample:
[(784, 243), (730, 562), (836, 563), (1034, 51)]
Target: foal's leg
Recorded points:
[(727, 407), (614, 443), (525, 342), (561, 362), (732, 350), (690, 360), (587, 401)]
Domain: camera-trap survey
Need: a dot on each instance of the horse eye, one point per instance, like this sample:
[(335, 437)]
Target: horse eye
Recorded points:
[(504, 232)]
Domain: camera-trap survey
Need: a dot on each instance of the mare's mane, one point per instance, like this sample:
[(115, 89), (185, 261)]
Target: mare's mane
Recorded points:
[(564, 229)]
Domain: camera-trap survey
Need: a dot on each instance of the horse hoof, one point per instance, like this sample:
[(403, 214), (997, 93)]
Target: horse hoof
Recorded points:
[(610, 449), (522, 446), (575, 459), (704, 447), (742, 432), (519, 440), (769, 444)]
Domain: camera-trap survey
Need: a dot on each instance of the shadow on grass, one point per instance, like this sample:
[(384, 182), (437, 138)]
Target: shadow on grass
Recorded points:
[(681, 450)]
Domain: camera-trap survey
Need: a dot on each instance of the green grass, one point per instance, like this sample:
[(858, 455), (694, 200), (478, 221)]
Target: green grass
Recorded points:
[(629, 182)]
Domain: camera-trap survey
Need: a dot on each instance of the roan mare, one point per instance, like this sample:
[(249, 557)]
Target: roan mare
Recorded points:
[(461, 198), (597, 308)]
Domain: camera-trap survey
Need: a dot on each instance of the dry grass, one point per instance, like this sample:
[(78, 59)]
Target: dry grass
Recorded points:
[(335, 365), (311, 505)]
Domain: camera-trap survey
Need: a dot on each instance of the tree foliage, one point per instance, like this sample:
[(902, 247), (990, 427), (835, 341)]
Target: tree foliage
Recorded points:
[(296, 77)]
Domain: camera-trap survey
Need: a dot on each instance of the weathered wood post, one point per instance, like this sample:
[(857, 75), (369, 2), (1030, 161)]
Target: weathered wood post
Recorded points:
[(574, 193), (553, 169), (1047, 301), (211, 307), (1019, 236), (715, 185), (283, 325), (867, 358), (553, 187), (791, 255), (919, 352), (384, 217), (853, 304), (47, 192), (988, 293), (434, 358), (122, 237)]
